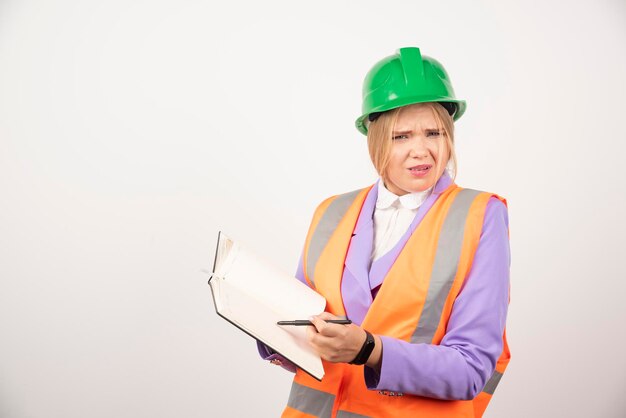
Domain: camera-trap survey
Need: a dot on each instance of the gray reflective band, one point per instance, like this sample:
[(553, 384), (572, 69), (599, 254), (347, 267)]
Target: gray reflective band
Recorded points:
[(325, 228), (311, 401), (445, 266), (346, 414), (493, 381)]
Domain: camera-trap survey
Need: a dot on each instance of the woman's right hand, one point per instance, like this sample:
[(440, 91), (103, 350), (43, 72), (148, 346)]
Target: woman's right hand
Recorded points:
[(340, 343)]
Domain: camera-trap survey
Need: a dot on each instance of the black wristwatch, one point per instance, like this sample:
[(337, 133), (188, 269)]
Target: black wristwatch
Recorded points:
[(366, 350)]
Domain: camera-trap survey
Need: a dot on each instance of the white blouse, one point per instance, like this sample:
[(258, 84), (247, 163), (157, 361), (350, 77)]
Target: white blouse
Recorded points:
[(392, 217)]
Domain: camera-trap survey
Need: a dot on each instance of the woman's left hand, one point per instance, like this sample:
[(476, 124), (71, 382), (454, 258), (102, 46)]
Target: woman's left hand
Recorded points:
[(334, 342)]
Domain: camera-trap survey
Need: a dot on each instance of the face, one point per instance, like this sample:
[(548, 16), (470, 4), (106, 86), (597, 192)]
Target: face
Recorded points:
[(419, 152)]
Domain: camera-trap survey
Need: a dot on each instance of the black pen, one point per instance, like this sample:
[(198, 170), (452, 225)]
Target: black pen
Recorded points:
[(304, 322)]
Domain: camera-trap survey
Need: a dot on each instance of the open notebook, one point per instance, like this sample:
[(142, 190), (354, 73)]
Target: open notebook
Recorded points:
[(253, 295)]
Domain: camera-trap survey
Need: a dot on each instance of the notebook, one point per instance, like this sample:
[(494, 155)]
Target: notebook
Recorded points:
[(253, 294)]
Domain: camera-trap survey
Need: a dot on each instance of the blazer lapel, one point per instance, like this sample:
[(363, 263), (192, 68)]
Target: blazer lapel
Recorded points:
[(355, 286)]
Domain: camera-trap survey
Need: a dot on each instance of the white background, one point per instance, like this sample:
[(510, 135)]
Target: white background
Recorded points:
[(132, 131)]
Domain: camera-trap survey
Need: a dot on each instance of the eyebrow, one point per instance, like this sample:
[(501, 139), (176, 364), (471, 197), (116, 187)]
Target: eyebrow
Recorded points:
[(408, 131)]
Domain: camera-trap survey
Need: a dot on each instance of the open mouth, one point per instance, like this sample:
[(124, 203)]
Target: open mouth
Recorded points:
[(421, 167), (420, 170)]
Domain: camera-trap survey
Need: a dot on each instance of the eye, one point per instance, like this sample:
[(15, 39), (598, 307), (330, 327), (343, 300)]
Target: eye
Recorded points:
[(433, 133), (400, 137)]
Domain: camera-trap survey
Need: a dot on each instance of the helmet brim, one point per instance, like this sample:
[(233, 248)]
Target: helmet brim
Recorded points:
[(362, 122)]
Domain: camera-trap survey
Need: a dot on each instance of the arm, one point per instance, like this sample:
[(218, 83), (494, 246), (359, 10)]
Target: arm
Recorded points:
[(459, 367)]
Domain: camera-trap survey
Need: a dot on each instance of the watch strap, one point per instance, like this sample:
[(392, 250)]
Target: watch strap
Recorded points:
[(366, 349)]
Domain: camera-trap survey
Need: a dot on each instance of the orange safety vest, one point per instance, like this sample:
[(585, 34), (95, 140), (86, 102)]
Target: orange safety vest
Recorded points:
[(413, 304)]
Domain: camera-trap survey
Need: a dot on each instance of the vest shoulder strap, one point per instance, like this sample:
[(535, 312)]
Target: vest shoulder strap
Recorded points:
[(327, 216)]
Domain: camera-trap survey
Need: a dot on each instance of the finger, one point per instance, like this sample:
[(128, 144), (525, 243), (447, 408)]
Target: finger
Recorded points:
[(318, 323), (311, 332), (327, 315), (315, 339), (325, 328)]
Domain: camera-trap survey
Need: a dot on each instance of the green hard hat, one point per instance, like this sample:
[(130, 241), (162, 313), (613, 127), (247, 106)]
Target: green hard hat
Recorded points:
[(406, 78)]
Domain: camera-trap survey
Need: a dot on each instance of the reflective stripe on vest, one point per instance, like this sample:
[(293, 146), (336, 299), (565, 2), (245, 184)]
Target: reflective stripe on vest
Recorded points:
[(315, 402), (311, 401), (492, 383), (346, 414), (445, 266), (331, 218)]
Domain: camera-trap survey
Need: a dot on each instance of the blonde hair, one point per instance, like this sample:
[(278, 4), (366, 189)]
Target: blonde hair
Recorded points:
[(380, 137)]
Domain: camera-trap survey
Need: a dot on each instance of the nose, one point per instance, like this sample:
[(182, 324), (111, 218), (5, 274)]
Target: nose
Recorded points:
[(418, 149)]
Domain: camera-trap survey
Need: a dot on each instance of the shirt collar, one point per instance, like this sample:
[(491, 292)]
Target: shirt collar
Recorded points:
[(408, 201), (386, 198)]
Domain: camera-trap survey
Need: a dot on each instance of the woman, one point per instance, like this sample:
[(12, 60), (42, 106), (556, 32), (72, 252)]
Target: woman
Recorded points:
[(420, 266)]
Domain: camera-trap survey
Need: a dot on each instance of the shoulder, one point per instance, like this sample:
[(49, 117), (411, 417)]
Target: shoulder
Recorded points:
[(492, 207), (480, 199), (496, 216), (491, 199), (490, 223), (342, 200), (497, 209), (496, 205)]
